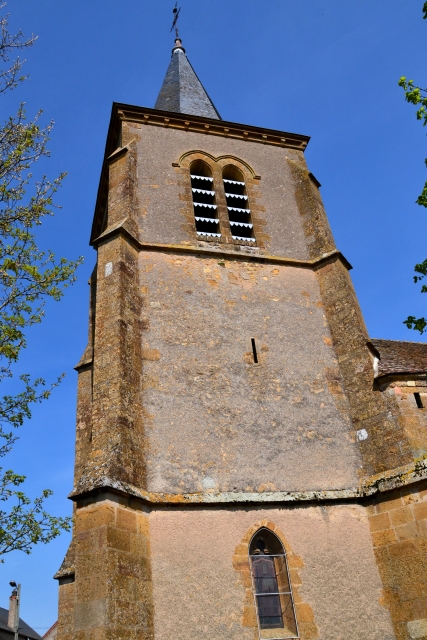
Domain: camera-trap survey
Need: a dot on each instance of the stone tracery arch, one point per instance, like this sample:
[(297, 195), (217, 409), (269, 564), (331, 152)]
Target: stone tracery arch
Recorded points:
[(306, 625), (249, 229)]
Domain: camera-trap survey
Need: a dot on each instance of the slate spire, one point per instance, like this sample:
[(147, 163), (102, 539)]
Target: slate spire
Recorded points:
[(182, 90)]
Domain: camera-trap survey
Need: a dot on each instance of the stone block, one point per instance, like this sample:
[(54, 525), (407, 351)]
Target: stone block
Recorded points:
[(370, 509), (422, 530), (401, 516), (295, 561), (417, 629), (66, 597), (407, 571), (381, 538), (308, 631), (138, 545), (418, 608), (413, 591), (241, 563), (389, 505), (407, 531), (84, 589), (420, 510), (410, 495), (97, 562), (126, 519), (382, 555), (118, 539), (89, 615), (241, 550), (379, 522), (249, 616), (295, 578), (142, 524), (137, 567), (402, 549), (93, 517), (151, 354), (304, 612)]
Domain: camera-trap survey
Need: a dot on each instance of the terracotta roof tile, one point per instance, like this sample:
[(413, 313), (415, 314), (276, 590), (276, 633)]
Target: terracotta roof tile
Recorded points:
[(398, 356), (49, 632)]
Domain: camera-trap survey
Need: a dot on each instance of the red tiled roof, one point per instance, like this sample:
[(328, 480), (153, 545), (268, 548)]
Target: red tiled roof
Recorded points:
[(398, 356), (51, 629)]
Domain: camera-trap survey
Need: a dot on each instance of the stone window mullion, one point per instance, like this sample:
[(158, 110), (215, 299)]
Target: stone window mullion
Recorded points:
[(222, 205)]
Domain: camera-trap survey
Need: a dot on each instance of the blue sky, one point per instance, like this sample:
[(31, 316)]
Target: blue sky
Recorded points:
[(325, 68)]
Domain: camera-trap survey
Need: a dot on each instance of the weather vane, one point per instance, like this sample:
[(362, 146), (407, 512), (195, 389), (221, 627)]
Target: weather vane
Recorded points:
[(175, 18)]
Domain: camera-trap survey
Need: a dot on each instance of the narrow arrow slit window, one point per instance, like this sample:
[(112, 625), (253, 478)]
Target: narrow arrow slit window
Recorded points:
[(419, 400), (239, 213), (205, 209)]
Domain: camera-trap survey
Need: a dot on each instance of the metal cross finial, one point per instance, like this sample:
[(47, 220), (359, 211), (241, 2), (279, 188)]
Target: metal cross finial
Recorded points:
[(175, 18)]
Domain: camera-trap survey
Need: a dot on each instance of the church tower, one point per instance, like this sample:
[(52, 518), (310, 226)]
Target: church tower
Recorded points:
[(250, 465)]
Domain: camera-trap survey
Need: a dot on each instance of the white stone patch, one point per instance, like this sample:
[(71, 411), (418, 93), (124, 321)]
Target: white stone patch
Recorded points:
[(362, 434), (155, 305), (375, 365), (108, 269), (417, 628), (208, 483)]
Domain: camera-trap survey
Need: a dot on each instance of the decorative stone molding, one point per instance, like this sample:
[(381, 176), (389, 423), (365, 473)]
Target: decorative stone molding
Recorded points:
[(306, 625)]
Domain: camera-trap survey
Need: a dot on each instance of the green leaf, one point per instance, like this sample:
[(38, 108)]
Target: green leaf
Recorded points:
[(29, 275), (417, 324)]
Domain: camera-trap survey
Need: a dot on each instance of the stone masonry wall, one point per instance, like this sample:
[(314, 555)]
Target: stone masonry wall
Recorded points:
[(66, 603), (398, 523), (200, 579), (414, 418), (117, 441), (216, 420), (164, 201), (383, 442), (291, 222), (171, 400), (85, 391), (111, 597), (83, 420)]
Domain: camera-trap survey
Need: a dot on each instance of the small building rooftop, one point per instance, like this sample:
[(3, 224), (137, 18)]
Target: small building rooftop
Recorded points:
[(25, 631), (399, 356)]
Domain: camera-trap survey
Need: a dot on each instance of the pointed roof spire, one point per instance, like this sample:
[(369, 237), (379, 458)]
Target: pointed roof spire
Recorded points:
[(182, 90)]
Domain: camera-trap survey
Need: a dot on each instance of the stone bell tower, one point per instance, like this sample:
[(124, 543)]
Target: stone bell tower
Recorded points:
[(249, 464)]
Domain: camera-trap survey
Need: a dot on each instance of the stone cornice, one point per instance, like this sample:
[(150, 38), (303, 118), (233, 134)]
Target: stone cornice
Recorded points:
[(86, 361), (212, 126), (221, 253), (374, 485)]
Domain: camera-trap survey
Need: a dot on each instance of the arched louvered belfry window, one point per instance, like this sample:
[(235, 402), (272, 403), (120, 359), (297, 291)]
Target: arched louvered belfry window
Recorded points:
[(205, 209), (239, 213), (272, 587)]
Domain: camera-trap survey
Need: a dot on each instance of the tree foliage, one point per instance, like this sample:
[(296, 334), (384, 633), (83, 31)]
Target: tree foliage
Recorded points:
[(418, 96), (28, 276)]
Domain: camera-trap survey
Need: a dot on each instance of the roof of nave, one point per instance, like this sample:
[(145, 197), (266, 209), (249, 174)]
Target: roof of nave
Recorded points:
[(398, 356), (51, 633)]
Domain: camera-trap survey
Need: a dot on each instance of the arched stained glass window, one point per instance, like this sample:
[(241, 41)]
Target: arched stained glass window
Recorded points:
[(272, 587)]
